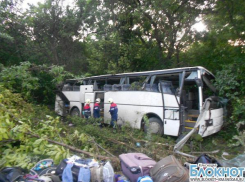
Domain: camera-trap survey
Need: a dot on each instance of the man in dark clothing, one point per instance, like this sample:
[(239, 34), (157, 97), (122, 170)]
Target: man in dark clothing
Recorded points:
[(86, 109), (97, 108), (113, 111)]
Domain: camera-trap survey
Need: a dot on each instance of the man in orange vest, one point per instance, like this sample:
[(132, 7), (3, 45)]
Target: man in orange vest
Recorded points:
[(113, 111), (96, 111), (86, 109)]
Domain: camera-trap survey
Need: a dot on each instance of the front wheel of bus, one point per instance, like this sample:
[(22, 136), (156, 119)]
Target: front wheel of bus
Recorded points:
[(75, 112), (155, 126)]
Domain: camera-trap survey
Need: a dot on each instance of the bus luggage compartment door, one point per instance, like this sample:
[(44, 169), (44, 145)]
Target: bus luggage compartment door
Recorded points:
[(171, 127)]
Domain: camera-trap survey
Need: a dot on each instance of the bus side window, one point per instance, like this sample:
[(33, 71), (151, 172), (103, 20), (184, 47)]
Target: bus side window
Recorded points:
[(152, 88), (107, 87), (67, 87), (117, 87), (167, 87), (76, 88), (95, 86), (126, 87)]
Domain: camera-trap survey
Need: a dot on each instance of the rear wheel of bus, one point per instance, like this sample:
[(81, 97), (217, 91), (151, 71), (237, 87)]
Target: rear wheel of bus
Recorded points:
[(75, 112), (155, 126)]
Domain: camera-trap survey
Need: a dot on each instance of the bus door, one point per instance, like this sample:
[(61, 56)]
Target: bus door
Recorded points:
[(171, 120)]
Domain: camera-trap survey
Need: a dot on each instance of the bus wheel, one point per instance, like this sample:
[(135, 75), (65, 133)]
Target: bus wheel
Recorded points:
[(75, 112), (155, 126)]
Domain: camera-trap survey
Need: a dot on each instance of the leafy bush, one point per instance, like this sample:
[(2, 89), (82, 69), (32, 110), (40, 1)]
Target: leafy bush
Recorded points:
[(230, 84), (24, 132), (240, 138), (35, 83), (227, 82)]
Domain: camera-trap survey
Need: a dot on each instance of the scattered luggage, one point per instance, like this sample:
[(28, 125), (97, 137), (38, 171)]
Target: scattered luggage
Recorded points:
[(169, 169), (62, 165), (97, 174), (205, 159), (53, 177), (102, 173), (43, 167), (10, 174), (121, 178), (144, 179), (135, 165), (77, 169)]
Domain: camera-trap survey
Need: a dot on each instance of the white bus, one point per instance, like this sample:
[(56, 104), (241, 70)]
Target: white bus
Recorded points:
[(172, 99)]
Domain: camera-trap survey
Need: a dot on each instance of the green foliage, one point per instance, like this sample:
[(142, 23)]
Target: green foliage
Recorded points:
[(228, 131), (230, 14), (5, 11), (120, 37), (35, 83), (122, 139), (238, 109), (19, 124), (19, 79), (57, 32), (240, 138), (221, 50), (227, 83), (6, 36), (230, 84), (134, 35)]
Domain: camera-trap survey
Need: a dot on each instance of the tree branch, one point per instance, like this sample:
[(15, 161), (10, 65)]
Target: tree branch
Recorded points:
[(75, 149), (62, 144)]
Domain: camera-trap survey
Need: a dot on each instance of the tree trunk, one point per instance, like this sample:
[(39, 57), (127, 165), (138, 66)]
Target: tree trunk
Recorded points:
[(76, 150)]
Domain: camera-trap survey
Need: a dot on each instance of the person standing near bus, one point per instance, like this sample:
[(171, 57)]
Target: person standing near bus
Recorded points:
[(96, 111), (113, 111), (87, 110)]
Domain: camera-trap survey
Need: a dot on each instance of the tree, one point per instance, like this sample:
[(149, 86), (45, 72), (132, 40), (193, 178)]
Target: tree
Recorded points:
[(12, 33), (163, 26), (221, 50), (55, 35), (223, 43)]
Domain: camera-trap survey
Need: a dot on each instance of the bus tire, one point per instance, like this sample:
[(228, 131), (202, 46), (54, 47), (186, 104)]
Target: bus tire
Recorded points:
[(155, 126), (75, 112)]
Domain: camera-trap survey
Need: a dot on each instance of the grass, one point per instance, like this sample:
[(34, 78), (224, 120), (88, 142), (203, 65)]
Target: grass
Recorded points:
[(126, 139)]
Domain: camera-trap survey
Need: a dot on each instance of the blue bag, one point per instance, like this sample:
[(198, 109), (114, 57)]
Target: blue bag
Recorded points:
[(145, 179)]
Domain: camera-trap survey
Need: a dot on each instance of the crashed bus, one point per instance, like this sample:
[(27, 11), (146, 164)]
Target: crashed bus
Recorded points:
[(172, 99)]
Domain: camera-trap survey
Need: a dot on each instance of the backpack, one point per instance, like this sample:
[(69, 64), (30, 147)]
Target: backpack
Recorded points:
[(145, 179), (205, 159), (43, 167), (10, 174)]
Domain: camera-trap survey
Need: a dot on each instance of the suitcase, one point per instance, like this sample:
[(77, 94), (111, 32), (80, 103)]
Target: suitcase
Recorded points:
[(169, 169), (135, 165)]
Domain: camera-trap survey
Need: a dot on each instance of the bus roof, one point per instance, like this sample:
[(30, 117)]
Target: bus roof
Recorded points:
[(146, 73)]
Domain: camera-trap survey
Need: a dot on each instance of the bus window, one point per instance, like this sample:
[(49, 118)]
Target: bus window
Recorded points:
[(167, 87)]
